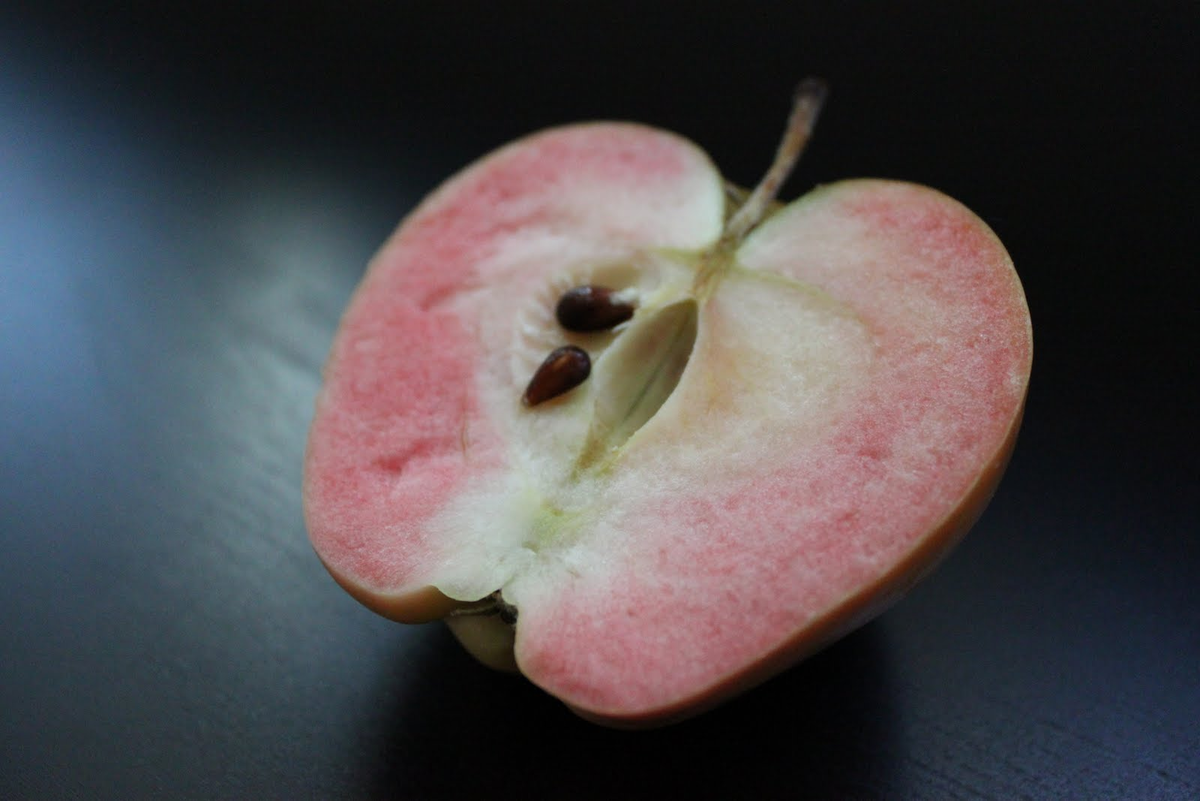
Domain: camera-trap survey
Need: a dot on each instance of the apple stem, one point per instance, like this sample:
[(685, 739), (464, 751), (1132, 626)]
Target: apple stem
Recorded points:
[(806, 106)]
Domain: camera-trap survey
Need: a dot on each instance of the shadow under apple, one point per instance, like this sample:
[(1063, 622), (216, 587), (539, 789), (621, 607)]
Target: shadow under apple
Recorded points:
[(823, 729)]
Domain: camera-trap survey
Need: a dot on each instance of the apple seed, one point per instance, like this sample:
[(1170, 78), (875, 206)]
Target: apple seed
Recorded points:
[(563, 370), (592, 308)]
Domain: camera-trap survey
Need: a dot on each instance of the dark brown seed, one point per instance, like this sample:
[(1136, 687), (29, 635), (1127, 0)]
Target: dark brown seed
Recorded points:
[(591, 308), (563, 370)]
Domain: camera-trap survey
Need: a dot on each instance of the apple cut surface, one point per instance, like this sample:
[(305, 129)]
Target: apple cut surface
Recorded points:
[(791, 430)]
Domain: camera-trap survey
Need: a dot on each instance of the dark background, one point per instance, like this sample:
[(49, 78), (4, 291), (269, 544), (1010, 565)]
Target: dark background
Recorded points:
[(187, 198)]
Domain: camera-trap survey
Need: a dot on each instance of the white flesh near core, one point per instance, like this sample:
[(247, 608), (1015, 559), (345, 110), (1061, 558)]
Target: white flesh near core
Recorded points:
[(524, 521), (773, 362)]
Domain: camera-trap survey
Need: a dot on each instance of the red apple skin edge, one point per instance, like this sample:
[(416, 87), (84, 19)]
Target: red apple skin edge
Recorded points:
[(429, 604), (854, 612), (349, 553)]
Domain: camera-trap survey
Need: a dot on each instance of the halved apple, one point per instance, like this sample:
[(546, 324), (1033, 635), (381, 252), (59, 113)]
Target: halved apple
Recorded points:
[(795, 413)]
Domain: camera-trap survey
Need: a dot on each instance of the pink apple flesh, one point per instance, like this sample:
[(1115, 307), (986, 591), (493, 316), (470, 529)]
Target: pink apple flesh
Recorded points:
[(784, 438)]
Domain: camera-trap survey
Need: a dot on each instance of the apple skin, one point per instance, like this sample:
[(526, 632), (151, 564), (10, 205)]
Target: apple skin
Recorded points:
[(374, 538)]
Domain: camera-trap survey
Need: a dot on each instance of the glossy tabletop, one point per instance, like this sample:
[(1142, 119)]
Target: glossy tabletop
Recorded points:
[(187, 200)]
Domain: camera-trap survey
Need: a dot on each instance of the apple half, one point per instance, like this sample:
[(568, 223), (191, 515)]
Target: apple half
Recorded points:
[(805, 407)]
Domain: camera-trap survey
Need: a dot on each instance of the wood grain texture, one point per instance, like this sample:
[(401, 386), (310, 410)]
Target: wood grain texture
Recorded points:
[(186, 202)]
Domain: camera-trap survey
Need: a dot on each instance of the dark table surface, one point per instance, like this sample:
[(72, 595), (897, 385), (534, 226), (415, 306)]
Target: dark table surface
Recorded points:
[(187, 199)]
